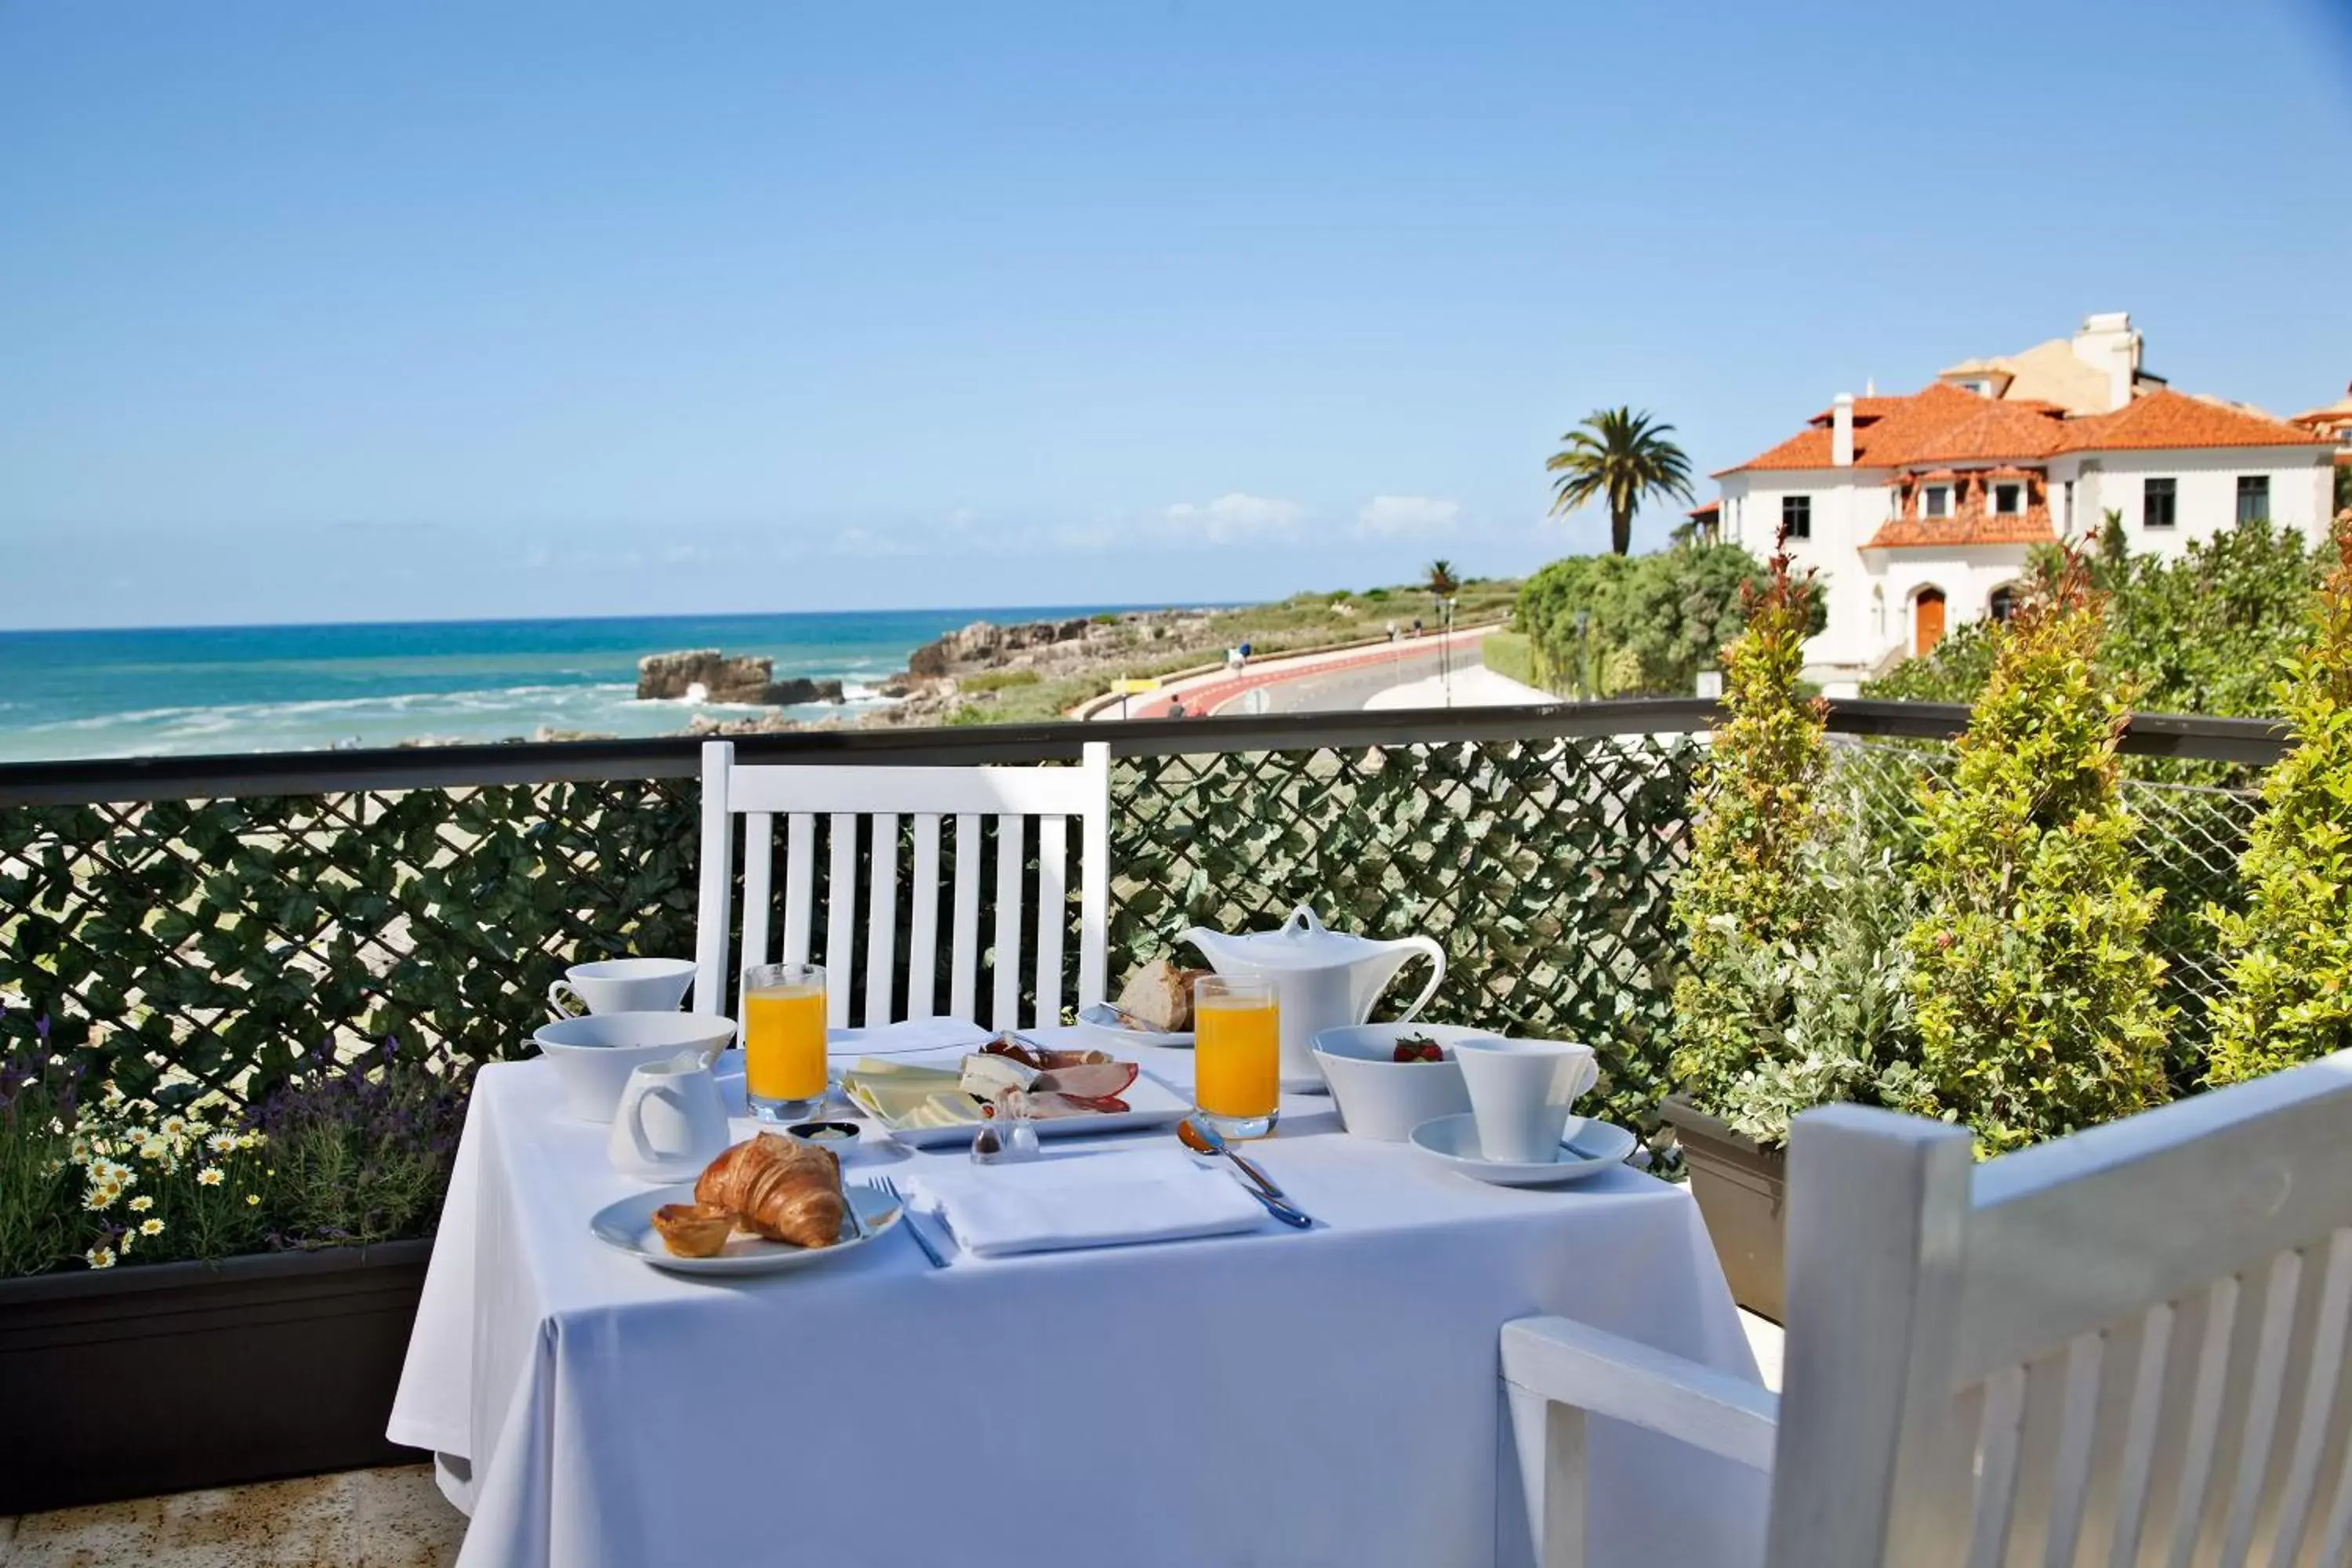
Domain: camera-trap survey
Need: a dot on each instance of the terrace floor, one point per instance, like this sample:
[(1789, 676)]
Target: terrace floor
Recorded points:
[(361, 1518)]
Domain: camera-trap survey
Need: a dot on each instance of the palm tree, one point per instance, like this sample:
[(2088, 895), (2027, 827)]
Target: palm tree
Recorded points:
[(1441, 582), (1622, 458)]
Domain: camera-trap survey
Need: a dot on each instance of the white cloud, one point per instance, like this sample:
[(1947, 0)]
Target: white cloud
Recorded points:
[(855, 540), (1393, 516), (1234, 517)]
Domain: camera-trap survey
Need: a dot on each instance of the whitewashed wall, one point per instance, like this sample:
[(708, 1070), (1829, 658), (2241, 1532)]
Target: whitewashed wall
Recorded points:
[(2302, 484)]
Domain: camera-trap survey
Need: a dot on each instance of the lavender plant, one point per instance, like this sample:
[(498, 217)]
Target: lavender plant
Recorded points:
[(361, 1147), (37, 1095)]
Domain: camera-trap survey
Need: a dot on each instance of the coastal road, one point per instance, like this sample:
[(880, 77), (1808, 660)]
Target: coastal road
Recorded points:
[(1219, 690)]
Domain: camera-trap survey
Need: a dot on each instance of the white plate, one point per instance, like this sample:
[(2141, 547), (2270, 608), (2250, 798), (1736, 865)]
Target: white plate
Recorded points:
[(1150, 1103), (628, 1226), (1099, 1018), (1587, 1146)]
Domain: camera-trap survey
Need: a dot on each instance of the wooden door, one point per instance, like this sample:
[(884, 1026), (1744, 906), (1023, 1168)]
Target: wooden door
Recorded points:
[(1927, 621)]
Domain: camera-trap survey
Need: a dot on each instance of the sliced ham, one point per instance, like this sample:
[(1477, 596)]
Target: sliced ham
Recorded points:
[(1087, 1080), (1045, 1106)]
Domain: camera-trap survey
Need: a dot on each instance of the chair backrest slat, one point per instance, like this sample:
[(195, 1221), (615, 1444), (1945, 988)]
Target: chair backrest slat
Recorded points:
[(1052, 893), (2140, 1428), (1999, 1433), (1011, 855), (759, 865), (2260, 1429), (840, 915), (964, 953), (881, 917), (2077, 1426), (2203, 1431), (2140, 1359), (2320, 1405), (799, 884), (923, 922), (861, 814)]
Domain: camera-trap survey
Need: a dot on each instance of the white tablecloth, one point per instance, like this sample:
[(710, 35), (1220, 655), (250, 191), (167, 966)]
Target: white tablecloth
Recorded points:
[(1280, 1397)]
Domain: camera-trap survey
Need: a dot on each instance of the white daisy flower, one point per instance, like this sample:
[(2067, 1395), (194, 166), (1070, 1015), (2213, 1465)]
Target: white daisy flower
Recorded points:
[(151, 1227), (100, 1257), (141, 1204), (209, 1176)]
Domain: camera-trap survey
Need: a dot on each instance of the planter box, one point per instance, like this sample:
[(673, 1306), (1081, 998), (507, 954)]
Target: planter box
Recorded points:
[(142, 1379), (1741, 1190)]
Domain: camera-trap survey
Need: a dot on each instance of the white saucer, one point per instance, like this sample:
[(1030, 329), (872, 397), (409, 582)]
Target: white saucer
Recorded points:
[(1102, 1019), (1587, 1146), (628, 1226)]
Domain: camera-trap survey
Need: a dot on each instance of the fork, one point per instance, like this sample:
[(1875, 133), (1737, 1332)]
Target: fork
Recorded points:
[(907, 1219)]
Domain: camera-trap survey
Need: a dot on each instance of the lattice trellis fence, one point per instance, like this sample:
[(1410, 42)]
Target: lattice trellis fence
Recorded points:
[(215, 936), (1541, 866)]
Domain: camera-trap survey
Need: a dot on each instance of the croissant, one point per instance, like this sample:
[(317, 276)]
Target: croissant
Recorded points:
[(780, 1189)]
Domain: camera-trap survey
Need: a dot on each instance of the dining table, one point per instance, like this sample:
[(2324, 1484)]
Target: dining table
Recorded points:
[(1277, 1396)]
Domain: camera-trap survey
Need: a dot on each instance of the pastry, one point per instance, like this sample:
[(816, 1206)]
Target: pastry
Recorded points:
[(778, 1189), (694, 1230)]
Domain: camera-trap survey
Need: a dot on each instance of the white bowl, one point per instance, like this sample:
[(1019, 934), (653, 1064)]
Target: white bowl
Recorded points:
[(595, 1055), (1380, 1097)]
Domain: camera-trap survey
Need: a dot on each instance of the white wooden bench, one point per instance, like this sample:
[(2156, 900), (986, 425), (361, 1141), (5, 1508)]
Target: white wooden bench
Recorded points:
[(2123, 1348), (869, 802)]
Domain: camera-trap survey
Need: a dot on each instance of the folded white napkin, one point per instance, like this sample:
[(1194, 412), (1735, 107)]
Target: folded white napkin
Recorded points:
[(1086, 1200), (912, 1037)]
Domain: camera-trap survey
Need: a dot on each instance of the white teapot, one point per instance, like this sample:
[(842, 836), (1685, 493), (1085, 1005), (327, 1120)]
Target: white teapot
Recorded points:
[(1322, 979)]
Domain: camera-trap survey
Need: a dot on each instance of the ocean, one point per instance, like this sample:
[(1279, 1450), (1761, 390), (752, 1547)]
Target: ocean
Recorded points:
[(174, 691)]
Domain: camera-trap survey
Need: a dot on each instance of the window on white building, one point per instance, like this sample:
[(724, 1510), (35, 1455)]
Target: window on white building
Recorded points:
[(1938, 501), (2004, 603), (1796, 517), (2066, 509), (2158, 503), (2009, 500), (2253, 497)]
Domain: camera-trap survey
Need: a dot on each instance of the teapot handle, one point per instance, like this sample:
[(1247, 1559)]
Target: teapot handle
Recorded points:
[(1436, 956), (1303, 919)]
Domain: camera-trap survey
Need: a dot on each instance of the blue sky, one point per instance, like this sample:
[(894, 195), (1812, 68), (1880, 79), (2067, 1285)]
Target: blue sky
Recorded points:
[(383, 311)]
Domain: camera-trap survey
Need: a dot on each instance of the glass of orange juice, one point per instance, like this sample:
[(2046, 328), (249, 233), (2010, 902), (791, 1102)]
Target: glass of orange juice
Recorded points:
[(1236, 1054), (784, 1040)]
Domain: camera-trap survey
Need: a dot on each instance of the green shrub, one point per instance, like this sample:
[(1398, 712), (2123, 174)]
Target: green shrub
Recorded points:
[(1752, 822), (2203, 633), (1512, 654), (997, 679), (2289, 952), (38, 1206), (1650, 623), (2036, 993), (1828, 1018)]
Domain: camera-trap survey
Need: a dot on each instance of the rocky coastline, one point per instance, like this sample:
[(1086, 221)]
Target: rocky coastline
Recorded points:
[(965, 668)]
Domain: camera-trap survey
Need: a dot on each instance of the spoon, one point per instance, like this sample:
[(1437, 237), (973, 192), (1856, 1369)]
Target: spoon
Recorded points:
[(1202, 1139)]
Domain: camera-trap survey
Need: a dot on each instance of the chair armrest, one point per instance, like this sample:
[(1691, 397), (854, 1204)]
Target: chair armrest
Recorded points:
[(1561, 1360)]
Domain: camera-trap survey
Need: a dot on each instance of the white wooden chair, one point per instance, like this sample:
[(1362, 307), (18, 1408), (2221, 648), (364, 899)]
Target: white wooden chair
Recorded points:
[(2122, 1348), (880, 796)]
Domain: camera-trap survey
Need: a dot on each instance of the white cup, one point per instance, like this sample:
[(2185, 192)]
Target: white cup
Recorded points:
[(624, 985), (1520, 1092), (670, 1122)]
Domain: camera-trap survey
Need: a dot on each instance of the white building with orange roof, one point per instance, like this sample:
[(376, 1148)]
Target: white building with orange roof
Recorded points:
[(1917, 513)]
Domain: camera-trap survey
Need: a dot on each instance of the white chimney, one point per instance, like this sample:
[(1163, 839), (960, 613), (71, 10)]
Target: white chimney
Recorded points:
[(1841, 431), (2107, 343)]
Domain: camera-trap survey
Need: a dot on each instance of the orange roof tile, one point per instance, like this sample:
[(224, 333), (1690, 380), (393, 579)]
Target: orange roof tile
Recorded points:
[(1942, 423), (2166, 418), (1705, 510), (1911, 533)]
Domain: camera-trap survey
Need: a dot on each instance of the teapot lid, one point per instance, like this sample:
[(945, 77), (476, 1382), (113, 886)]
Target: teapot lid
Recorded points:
[(1301, 942)]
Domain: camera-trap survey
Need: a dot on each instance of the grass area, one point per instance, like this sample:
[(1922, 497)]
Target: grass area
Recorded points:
[(1302, 621), (1513, 654)]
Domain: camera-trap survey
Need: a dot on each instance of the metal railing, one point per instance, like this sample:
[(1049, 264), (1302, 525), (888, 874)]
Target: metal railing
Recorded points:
[(195, 921)]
